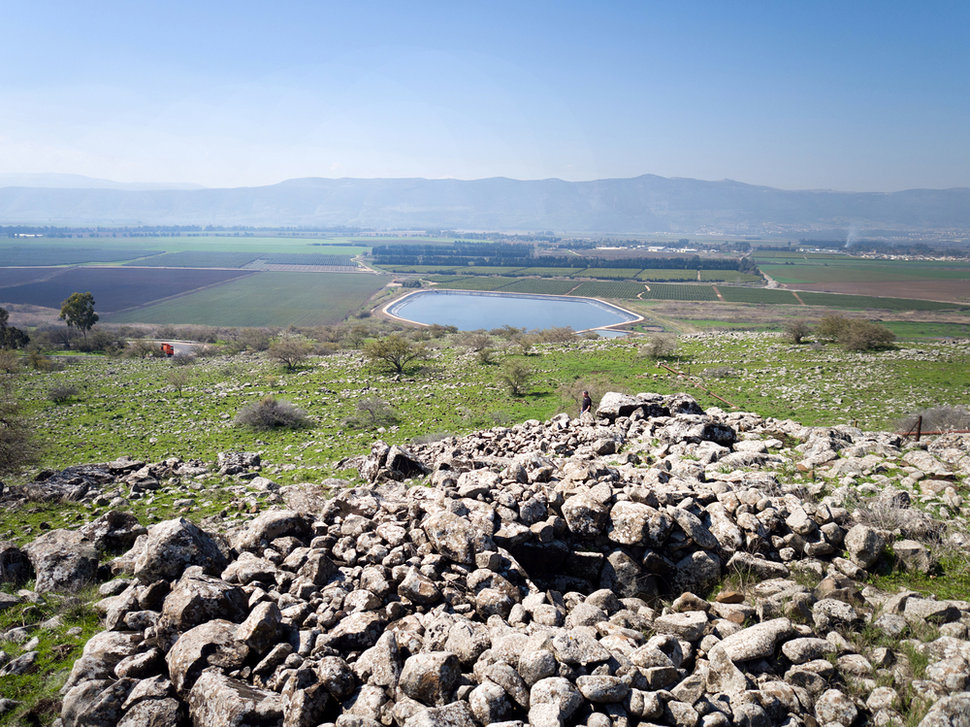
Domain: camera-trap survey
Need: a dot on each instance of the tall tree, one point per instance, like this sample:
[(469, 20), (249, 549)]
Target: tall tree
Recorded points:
[(78, 312)]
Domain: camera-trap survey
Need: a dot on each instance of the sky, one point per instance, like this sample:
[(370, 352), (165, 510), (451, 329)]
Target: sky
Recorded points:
[(852, 96)]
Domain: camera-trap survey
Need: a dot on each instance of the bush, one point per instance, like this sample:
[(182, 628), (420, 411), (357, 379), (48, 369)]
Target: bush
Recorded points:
[(721, 372), (140, 348), (372, 412), (394, 352), (101, 341), (515, 376), (61, 393), (796, 331), (866, 336), (660, 346), (854, 334), (272, 413), (18, 447), (290, 350), (9, 362), (559, 334)]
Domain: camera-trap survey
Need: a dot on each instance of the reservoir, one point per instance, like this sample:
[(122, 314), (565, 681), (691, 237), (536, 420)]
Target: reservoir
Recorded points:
[(471, 310)]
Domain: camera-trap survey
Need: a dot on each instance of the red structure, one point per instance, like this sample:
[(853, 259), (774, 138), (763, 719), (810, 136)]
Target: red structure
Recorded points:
[(168, 349)]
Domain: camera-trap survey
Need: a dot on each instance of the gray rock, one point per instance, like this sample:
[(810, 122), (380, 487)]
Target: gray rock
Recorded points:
[(63, 560), (430, 677), (834, 706), (585, 516), (756, 642), (219, 701), (951, 711), (806, 649), (169, 548), (689, 625), (209, 644), (553, 701), (865, 545), (603, 689), (914, 556), (455, 537)]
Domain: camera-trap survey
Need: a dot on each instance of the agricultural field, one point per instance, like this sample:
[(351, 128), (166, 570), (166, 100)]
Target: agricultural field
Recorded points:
[(20, 276), (466, 282), (673, 291), (18, 254), (607, 273), (541, 286), (266, 299), (115, 288), (863, 302), (729, 276), (662, 274), (618, 289), (930, 279), (761, 296), (197, 259)]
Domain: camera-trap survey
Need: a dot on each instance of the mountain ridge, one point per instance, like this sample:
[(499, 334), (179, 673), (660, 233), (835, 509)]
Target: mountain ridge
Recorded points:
[(644, 204)]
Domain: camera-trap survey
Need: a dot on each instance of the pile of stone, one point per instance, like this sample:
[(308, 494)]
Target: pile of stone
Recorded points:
[(652, 566)]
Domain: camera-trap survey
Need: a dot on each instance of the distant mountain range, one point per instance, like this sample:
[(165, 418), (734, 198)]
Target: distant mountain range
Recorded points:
[(645, 204)]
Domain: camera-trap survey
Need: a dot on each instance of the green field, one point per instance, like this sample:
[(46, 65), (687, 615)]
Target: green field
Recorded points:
[(773, 296), (729, 276), (266, 299), (19, 254), (675, 291), (868, 302), (544, 286), (851, 270), (197, 259), (122, 247), (619, 289)]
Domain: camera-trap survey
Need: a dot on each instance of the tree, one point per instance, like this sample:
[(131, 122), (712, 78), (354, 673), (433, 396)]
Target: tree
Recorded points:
[(854, 334), (394, 352), (290, 350), (515, 375), (11, 337), (795, 331), (78, 312)]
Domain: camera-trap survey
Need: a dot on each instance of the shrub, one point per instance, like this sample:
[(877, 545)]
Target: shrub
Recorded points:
[(18, 447), (796, 331), (559, 334), (61, 393), (854, 334), (101, 340), (660, 346), (394, 352), (184, 358), (290, 350), (178, 378), (515, 376), (38, 361), (140, 348), (866, 336), (9, 362), (272, 413), (372, 412)]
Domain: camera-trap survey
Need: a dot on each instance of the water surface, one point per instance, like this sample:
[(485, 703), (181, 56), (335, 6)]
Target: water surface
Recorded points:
[(471, 310)]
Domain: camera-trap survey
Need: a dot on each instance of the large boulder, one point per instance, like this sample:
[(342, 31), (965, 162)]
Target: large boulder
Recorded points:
[(169, 548), (63, 560)]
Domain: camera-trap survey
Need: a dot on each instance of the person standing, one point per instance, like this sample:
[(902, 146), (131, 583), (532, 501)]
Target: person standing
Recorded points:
[(587, 406)]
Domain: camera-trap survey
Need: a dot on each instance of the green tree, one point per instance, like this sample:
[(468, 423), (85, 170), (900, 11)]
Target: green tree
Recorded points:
[(394, 352), (290, 350), (515, 375), (78, 311), (11, 337)]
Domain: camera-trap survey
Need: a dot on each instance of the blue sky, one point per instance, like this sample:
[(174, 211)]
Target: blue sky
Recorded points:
[(839, 95)]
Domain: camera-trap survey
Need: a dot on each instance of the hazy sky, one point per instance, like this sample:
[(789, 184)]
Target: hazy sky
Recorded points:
[(848, 94)]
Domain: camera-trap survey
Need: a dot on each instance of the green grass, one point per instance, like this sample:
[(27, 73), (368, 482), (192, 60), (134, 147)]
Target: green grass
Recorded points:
[(844, 269), (266, 299), (127, 407), (37, 690), (950, 581), (542, 286), (909, 330)]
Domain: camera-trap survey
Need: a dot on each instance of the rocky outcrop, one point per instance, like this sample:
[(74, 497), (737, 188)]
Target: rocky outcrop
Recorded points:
[(659, 565)]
